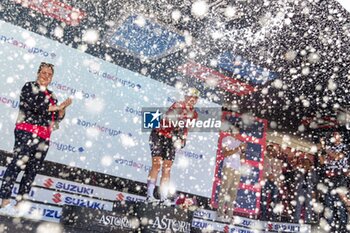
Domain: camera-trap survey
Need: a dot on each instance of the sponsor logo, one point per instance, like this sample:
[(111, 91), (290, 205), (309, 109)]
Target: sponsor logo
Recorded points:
[(193, 155), (283, 227), (48, 183), (22, 45), (103, 129), (133, 111), (171, 224), (240, 230), (10, 102), (132, 163), (2, 173), (114, 221), (72, 90), (58, 199), (246, 223), (203, 214), (151, 120), (120, 197), (74, 188), (115, 78), (134, 199), (199, 224), (226, 229), (55, 9), (269, 226), (45, 212), (66, 147)]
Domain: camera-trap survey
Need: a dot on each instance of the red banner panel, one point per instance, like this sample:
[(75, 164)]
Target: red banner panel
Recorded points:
[(55, 9)]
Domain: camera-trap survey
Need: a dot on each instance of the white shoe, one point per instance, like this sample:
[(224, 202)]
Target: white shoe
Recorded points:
[(234, 220), (151, 199), (166, 202), (23, 208)]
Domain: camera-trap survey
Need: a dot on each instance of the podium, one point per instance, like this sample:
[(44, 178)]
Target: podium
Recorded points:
[(93, 220), (158, 218), (128, 217)]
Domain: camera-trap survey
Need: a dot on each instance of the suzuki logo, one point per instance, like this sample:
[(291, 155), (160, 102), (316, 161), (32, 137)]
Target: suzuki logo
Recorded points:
[(269, 226), (226, 229), (57, 198), (120, 197), (48, 183)]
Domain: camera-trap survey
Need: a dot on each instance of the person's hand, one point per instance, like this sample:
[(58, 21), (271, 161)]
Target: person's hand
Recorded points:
[(243, 147), (65, 103), (270, 149), (322, 143)]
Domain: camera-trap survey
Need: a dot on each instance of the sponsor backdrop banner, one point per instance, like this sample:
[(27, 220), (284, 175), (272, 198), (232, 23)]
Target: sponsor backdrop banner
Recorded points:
[(74, 188), (60, 199), (44, 212), (101, 131), (98, 220), (158, 218), (70, 193)]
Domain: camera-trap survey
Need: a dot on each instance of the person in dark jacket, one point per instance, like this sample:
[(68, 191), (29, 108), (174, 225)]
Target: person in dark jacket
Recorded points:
[(39, 114), (304, 190), (335, 161)]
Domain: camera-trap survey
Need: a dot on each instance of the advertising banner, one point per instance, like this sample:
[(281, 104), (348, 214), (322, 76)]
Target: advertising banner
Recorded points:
[(98, 220), (102, 128), (160, 218)]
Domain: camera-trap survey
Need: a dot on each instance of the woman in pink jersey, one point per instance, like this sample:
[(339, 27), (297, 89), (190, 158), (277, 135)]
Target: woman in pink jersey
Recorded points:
[(38, 116)]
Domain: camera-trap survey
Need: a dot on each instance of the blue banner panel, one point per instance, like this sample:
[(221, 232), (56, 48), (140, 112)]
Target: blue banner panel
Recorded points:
[(248, 71), (143, 37), (246, 199), (253, 152), (255, 129)]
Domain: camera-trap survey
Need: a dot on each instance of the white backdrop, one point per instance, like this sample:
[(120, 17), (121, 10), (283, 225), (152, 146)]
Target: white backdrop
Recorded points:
[(102, 129)]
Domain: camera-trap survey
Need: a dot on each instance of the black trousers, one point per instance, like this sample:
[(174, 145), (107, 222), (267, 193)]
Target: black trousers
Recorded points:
[(29, 153)]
